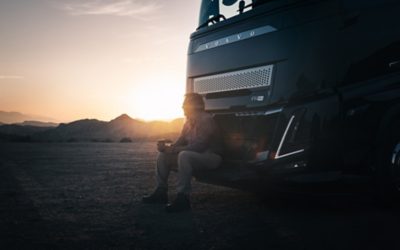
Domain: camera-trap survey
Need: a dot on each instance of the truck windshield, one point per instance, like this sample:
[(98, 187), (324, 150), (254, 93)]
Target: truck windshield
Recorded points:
[(213, 11)]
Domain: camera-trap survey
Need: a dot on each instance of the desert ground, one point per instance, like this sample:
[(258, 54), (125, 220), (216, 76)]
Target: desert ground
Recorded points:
[(88, 196)]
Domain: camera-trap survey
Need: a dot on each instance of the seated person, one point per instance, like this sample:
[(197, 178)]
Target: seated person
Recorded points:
[(198, 147)]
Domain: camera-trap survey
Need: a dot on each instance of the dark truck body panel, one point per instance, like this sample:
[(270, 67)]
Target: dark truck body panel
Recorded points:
[(335, 84)]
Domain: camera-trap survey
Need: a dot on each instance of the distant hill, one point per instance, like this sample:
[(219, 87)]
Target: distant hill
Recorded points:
[(16, 117), (82, 130), (38, 124), (114, 130), (122, 128), (18, 132)]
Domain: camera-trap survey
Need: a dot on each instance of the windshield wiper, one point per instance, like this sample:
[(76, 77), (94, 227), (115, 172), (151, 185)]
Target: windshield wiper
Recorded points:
[(214, 20)]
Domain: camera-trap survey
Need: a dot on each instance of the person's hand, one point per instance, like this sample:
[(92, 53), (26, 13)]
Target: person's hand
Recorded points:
[(177, 149), (169, 149), (161, 146)]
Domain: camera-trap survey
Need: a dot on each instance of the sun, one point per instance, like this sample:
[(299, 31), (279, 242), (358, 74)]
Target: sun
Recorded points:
[(157, 98)]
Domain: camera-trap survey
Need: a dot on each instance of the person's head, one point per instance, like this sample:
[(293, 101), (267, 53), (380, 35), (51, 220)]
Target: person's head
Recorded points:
[(193, 104)]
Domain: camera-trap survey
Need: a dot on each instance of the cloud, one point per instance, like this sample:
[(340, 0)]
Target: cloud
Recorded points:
[(11, 77), (140, 9)]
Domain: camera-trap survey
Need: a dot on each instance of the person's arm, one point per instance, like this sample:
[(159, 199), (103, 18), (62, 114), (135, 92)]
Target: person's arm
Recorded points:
[(180, 142), (205, 130)]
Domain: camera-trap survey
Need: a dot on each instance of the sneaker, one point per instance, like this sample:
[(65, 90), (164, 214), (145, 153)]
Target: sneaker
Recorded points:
[(159, 196), (180, 204)]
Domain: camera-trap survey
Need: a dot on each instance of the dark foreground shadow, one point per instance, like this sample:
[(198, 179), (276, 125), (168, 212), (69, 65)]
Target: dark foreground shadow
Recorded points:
[(21, 226), (350, 221), (162, 230)]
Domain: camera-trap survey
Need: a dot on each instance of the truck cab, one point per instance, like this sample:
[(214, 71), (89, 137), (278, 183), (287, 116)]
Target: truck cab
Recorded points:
[(302, 90)]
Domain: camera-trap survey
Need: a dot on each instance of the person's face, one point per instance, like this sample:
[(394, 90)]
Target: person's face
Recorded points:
[(189, 110)]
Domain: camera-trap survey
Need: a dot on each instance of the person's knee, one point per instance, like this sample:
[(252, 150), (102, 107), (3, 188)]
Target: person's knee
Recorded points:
[(185, 160), (184, 156)]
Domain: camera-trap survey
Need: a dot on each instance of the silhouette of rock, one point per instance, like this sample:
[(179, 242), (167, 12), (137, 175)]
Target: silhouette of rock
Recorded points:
[(121, 127)]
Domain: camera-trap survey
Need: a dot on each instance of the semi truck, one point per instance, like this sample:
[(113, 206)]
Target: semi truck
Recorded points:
[(305, 92)]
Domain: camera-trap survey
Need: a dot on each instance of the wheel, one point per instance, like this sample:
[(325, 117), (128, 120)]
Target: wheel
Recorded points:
[(388, 166)]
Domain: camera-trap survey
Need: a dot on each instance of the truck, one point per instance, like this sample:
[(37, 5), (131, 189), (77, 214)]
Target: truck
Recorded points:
[(306, 92)]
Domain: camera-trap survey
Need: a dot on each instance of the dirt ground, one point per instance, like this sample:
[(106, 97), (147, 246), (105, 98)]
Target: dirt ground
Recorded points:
[(87, 196)]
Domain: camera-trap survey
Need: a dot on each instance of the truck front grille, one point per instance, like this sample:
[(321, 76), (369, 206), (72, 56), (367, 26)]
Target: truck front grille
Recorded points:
[(236, 80)]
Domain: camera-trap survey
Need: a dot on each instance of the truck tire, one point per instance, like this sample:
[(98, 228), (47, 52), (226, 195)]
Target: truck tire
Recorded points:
[(388, 166)]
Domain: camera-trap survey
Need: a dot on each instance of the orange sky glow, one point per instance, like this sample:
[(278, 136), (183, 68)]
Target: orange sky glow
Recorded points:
[(71, 60)]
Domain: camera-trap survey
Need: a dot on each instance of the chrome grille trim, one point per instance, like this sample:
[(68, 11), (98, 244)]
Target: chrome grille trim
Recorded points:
[(259, 113), (236, 80)]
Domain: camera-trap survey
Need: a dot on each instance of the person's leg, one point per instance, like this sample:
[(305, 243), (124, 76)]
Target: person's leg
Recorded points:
[(187, 161), (162, 171), (160, 195)]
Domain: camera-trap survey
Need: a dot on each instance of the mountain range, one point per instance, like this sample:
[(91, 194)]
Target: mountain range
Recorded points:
[(122, 128), (16, 117)]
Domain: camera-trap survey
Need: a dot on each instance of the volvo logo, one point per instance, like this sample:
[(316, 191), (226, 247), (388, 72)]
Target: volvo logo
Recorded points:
[(235, 38)]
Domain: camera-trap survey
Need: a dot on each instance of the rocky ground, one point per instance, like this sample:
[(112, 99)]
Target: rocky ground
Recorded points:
[(87, 196)]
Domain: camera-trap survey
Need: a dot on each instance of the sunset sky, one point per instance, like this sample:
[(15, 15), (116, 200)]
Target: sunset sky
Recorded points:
[(74, 59)]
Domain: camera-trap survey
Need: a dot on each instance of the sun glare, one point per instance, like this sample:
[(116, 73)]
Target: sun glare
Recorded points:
[(158, 99)]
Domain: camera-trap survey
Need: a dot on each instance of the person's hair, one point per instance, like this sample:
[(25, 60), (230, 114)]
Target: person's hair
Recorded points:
[(195, 100)]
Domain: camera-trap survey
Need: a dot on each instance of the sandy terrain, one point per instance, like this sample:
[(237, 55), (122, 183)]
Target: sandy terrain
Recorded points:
[(87, 196)]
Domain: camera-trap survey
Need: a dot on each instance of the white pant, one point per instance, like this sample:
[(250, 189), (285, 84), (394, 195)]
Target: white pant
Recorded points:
[(187, 161)]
